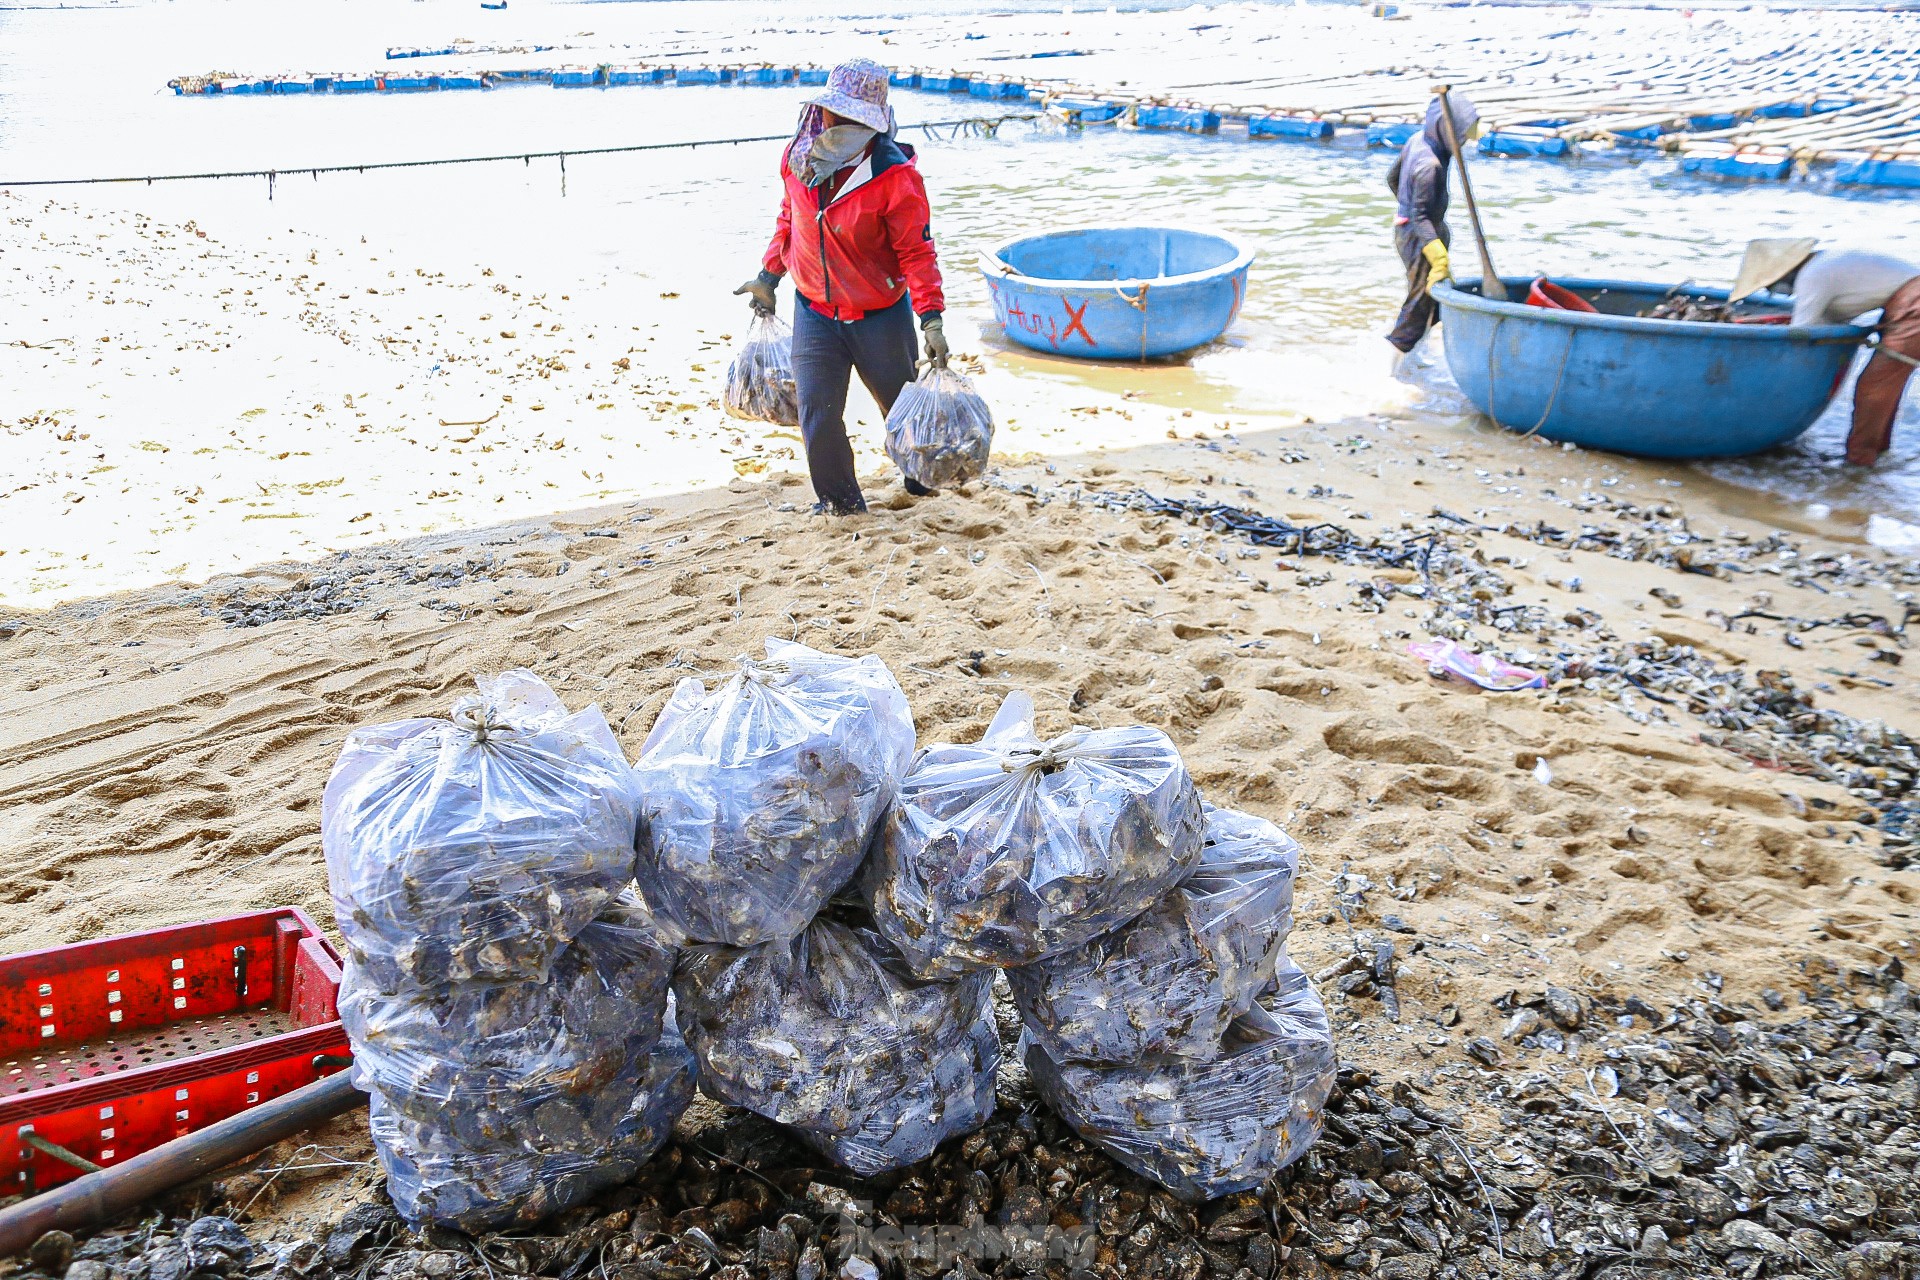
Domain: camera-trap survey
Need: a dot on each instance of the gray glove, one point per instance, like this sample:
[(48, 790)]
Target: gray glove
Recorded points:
[(760, 293), (934, 330)]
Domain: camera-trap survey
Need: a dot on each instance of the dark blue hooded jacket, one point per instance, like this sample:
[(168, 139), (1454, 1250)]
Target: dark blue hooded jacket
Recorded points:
[(1419, 177)]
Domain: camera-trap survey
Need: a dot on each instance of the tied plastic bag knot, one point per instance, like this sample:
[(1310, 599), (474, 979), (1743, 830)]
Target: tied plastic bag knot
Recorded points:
[(1047, 758), (939, 431), (483, 718), (760, 383)]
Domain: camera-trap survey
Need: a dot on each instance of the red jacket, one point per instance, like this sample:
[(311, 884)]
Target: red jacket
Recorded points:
[(857, 243)]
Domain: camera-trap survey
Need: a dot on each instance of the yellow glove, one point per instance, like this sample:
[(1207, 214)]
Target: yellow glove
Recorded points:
[(1436, 255)]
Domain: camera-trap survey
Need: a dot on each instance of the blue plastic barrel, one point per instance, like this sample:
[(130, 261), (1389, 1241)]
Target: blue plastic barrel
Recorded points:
[(1089, 110), (1702, 124), (1190, 119), (1656, 388), (354, 84), (764, 75), (1511, 142), (944, 84), (902, 79), (1764, 168), (577, 77), (1879, 173), (1117, 293), (293, 84), (1289, 127), (1391, 135), (462, 80), (813, 75), (411, 83), (696, 75)]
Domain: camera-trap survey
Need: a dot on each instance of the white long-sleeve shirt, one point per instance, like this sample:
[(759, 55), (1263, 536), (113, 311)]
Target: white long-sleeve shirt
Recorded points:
[(1834, 288)]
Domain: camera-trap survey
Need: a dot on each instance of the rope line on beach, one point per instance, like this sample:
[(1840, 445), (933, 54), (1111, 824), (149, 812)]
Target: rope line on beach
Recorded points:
[(979, 126)]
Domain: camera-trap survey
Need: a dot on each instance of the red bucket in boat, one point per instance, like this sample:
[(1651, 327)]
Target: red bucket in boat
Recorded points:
[(1545, 293)]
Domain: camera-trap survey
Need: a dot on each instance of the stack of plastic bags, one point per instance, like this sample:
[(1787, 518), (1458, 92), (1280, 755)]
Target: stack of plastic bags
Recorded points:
[(504, 1001), (762, 796), (1186, 1043), (1143, 935)]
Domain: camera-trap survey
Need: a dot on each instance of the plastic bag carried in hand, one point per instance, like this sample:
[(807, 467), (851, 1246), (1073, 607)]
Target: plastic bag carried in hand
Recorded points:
[(1013, 850), (477, 848), (434, 1175), (939, 431), (1207, 1129), (760, 382), (1172, 981), (831, 1035), (534, 1063), (761, 796)]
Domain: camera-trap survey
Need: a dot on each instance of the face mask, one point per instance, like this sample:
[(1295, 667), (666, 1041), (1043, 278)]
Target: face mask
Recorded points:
[(834, 150)]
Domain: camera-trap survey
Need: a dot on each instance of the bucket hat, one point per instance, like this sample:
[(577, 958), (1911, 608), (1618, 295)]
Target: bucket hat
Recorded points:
[(857, 90), (1767, 263)]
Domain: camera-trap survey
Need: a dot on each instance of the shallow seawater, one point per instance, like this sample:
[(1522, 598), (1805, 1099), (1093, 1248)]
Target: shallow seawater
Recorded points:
[(82, 92)]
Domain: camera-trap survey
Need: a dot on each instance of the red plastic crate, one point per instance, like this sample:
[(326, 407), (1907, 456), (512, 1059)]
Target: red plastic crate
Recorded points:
[(110, 1048)]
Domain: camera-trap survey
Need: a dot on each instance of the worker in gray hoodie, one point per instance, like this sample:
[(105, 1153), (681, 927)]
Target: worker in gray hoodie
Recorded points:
[(1418, 181)]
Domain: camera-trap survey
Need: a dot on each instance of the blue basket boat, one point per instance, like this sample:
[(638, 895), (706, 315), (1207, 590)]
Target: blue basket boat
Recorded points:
[(1655, 388), (1117, 293)]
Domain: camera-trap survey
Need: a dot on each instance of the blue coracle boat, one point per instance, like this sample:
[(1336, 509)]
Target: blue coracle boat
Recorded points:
[(1655, 388), (1117, 293)]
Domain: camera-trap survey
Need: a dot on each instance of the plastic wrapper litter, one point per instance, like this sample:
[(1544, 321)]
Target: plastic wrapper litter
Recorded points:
[(1207, 1129), (832, 1035), (477, 847), (435, 1175), (492, 1062), (1013, 850), (939, 431), (762, 795), (1171, 981), (760, 382)]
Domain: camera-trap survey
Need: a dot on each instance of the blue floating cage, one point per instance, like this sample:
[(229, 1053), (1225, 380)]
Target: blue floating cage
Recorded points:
[(696, 75), (578, 77), (355, 84), (462, 80), (411, 83), (1879, 173)]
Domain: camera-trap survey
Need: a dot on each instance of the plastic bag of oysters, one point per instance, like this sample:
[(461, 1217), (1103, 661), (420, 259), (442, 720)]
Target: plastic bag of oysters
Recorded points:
[(761, 795), (939, 431), (1207, 1129), (477, 847), (540, 1064), (1014, 849), (1171, 981), (760, 383), (831, 1035), (437, 1175)]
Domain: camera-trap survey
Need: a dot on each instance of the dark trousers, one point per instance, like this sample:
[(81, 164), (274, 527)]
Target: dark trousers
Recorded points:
[(1418, 312), (1876, 395), (881, 348)]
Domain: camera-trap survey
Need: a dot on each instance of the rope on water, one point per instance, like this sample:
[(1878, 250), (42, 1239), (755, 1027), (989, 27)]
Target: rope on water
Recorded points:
[(976, 126)]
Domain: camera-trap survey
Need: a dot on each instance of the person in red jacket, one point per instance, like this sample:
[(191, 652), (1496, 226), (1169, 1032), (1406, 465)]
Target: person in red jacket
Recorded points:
[(855, 234)]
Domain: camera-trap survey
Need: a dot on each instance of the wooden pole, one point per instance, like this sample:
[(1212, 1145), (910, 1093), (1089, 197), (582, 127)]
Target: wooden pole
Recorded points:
[(100, 1197), (1490, 284)]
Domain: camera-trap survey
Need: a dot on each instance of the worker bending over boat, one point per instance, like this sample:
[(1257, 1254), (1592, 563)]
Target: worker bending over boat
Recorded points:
[(1418, 181), (856, 235), (1839, 287)]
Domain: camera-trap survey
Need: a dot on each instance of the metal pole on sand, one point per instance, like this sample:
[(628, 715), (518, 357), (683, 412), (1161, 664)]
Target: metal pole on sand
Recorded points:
[(1490, 284), (100, 1197)]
